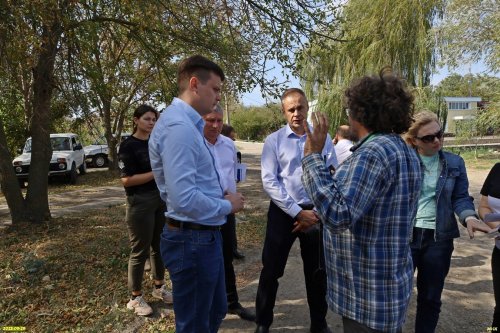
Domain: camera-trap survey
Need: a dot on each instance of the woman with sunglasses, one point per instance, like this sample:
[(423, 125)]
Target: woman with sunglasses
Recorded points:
[(444, 193)]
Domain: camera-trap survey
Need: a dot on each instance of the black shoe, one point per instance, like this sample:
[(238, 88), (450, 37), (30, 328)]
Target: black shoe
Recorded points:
[(262, 329), (325, 329), (243, 313), (238, 255)]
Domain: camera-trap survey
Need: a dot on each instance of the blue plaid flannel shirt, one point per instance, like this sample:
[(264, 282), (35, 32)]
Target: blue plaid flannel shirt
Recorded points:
[(368, 208)]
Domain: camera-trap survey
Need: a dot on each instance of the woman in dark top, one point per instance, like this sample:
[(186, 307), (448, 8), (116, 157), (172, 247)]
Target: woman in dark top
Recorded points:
[(145, 211), (489, 211)]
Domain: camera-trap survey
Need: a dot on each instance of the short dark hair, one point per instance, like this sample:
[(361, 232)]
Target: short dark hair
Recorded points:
[(381, 103), (227, 129), (291, 91), (141, 110), (199, 67)]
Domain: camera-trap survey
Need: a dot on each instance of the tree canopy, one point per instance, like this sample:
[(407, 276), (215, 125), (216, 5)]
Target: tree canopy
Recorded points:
[(98, 58), (469, 33), (374, 34)]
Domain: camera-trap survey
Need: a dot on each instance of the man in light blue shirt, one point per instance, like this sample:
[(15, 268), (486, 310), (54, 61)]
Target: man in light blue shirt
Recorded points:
[(197, 206), (291, 215)]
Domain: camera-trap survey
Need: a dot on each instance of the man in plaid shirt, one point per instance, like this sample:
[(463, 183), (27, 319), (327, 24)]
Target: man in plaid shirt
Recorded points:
[(368, 207)]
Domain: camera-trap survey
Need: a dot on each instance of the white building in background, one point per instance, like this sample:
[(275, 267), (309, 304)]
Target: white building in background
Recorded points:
[(460, 109)]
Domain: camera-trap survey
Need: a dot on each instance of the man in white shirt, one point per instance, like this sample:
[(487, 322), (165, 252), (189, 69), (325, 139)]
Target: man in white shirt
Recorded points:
[(224, 153), (343, 143), (291, 215)]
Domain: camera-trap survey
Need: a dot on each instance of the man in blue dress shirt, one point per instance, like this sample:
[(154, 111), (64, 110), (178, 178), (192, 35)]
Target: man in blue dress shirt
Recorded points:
[(197, 206), (291, 214)]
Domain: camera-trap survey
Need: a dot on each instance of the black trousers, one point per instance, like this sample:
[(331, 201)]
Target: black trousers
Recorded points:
[(278, 242), (352, 326), (495, 269), (227, 231)]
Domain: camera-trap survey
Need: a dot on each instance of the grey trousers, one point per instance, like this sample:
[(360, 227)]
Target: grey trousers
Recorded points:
[(145, 220)]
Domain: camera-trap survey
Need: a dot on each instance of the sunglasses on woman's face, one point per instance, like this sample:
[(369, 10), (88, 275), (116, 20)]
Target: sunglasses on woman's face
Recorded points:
[(431, 137)]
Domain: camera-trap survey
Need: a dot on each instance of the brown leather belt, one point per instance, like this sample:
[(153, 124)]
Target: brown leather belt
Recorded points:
[(190, 225)]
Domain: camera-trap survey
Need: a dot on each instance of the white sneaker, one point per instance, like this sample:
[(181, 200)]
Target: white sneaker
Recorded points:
[(163, 294), (140, 307)]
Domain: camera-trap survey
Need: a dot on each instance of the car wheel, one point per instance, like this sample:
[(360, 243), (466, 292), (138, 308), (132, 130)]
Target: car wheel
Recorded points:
[(83, 168), (99, 161), (72, 175)]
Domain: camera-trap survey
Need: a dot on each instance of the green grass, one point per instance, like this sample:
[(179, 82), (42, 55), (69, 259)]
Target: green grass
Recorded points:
[(482, 158), (85, 259)]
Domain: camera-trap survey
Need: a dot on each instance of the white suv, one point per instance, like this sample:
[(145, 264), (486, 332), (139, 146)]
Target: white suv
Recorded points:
[(97, 153), (67, 158)]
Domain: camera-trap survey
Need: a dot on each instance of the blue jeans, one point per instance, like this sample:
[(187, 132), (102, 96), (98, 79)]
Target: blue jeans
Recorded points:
[(195, 263), (432, 261)]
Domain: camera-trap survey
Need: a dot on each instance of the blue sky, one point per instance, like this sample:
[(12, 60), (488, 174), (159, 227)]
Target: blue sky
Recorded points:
[(255, 97)]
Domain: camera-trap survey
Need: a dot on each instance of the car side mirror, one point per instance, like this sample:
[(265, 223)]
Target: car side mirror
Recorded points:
[(19, 150), (78, 147)]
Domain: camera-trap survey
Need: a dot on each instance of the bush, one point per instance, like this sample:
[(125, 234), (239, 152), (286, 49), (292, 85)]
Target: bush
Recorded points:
[(255, 123)]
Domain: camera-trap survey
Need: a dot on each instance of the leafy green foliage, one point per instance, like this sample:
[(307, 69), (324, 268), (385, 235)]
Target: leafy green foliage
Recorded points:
[(12, 116), (430, 98), (469, 33), (374, 34), (485, 86), (255, 123)]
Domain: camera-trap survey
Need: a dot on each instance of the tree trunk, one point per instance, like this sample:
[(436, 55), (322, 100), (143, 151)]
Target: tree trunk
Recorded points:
[(226, 107), (9, 183), (111, 138), (43, 85)]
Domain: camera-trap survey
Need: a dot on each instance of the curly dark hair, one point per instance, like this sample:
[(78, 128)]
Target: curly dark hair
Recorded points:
[(381, 103)]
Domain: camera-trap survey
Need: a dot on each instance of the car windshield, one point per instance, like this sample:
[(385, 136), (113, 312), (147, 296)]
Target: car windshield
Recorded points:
[(58, 144), (27, 146)]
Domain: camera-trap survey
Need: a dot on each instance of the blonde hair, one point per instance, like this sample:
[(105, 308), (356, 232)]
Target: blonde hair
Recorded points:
[(419, 120)]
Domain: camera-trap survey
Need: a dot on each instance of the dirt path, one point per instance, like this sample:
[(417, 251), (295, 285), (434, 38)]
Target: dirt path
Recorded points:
[(75, 201)]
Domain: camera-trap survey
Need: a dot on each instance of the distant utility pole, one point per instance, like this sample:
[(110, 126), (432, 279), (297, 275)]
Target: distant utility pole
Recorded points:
[(226, 108), (470, 81)]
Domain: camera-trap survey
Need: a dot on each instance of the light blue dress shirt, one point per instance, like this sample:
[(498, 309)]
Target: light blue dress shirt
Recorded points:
[(184, 168), (281, 164)]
